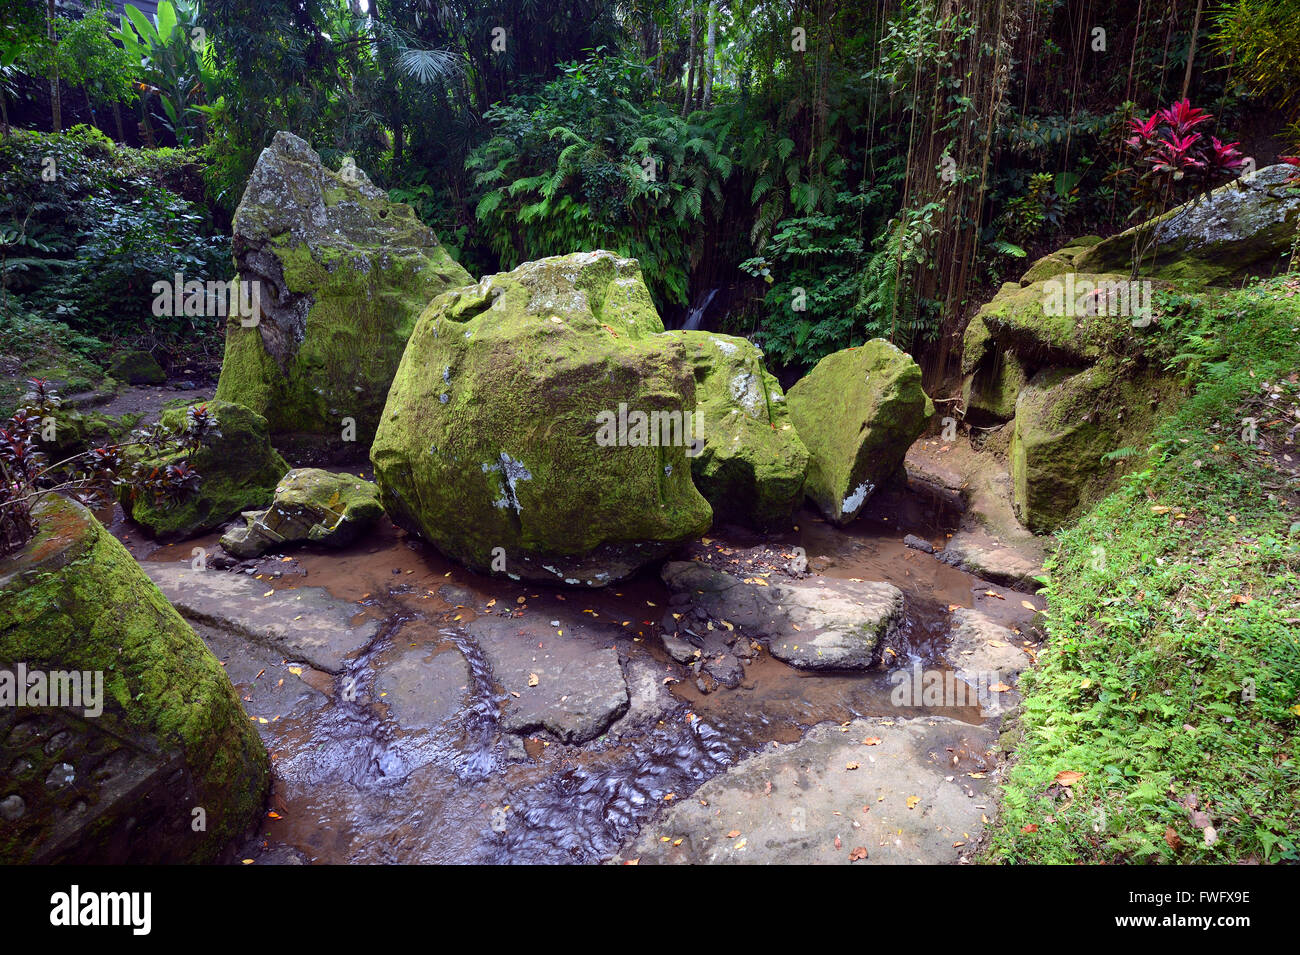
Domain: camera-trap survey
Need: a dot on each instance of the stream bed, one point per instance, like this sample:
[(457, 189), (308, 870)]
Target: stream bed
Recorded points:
[(401, 756)]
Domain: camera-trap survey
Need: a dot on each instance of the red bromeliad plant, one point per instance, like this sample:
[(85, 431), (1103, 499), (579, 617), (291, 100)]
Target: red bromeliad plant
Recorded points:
[(1173, 161), (1292, 161), (26, 475)]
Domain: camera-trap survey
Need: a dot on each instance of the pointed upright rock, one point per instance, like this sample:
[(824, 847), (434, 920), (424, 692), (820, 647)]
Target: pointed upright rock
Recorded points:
[(341, 275)]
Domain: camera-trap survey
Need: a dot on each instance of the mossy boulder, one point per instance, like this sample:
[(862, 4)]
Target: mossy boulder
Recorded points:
[(750, 464), (515, 440), (342, 276), (137, 368), (857, 411), (172, 745), (310, 506), (1059, 262), (1061, 320), (73, 432), (1067, 421), (238, 471), (1241, 229), (989, 392)]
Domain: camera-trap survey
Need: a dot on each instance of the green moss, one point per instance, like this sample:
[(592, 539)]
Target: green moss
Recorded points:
[(1215, 240), (74, 599), (310, 505), (1066, 420), (360, 268), (490, 435), (989, 393), (1171, 667), (137, 368), (857, 411), (238, 471), (751, 466)]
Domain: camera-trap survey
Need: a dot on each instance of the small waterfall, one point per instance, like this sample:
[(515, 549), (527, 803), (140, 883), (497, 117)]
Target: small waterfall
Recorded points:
[(696, 314)]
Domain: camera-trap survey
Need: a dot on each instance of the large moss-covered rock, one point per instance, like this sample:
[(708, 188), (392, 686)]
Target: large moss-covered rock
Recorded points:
[(238, 471), (1060, 320), (171, 770), (750, 463), (510, 437), (137, 367), (857, 411), (343, 275), (989, 392), (1241, 229), (1059, 262), (310, 506), (1067, 420)]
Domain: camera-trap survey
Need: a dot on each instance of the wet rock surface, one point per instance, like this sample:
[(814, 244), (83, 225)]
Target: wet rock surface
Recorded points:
[(917, 794), (569, 685), (303, 624), (819, 625)]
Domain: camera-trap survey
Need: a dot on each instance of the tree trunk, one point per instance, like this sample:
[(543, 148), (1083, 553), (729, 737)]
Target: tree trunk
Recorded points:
[(56, 112), (690, 63), (712, 49), (1191, 50), (117, 119)]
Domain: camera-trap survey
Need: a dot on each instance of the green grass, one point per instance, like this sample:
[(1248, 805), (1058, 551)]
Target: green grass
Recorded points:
[(1172, 665)]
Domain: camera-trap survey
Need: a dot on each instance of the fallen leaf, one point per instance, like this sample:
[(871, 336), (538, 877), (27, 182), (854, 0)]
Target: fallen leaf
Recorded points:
[(871, 741), (733, 834), (1174, 840), (533, 679), (858, 854), (912, 801), (851, 766), (1027, 605), (1068, 777), (1032, 827), (838, 844)]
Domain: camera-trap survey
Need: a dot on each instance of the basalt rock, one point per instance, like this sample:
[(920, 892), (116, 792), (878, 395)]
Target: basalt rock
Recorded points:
[(238, 471), (818, 624)]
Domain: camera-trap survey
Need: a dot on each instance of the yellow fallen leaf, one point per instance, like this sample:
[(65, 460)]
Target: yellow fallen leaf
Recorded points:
[(296, 671), (912, 801), (533, 679), (1027, 605), (851, 766), (740, 844)]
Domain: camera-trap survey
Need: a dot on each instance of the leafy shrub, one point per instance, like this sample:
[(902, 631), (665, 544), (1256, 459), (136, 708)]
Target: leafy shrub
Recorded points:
[(85, 246)]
